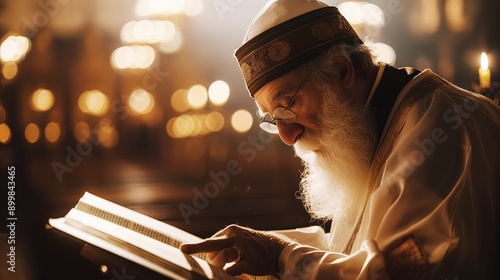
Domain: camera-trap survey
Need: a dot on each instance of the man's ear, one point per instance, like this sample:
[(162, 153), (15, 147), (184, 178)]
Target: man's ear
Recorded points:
[(347, 74)]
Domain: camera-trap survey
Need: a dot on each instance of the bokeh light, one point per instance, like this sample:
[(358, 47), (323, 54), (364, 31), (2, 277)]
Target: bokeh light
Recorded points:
[(173, 45), (362, 13), (179, 101), (81, 131), (197, 96), (372, 14), (241, 121), (194, 125), (133, 57), (52, 132), (193, 7), (5, 133), (14, 48), (93, 102), (9, 70), (108, 136), (158, 7), (218, 92), (42, 100), (141, 102), (214, 121), (32, 133), (148, 31), (383, 53)]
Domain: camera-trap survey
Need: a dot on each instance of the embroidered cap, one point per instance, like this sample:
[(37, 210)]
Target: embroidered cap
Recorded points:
[(285, 35)]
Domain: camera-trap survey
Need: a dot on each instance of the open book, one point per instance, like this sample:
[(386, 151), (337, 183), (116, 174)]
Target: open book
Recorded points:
[(111, 230)]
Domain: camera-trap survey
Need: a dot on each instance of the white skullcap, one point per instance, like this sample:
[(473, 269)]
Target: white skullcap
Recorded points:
[(278, 11), (287, 34)]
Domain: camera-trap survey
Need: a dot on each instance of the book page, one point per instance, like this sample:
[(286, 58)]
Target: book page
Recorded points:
[(135, 221), (134, 246), (168, 235)]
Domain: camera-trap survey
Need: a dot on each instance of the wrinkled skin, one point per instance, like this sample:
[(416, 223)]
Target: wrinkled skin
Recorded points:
[(253, 252)]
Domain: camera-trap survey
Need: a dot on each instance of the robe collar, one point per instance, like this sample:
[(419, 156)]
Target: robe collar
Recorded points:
[(388, 85)]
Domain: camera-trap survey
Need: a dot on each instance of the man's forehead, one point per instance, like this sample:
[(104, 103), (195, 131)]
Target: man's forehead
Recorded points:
[(269, 94)]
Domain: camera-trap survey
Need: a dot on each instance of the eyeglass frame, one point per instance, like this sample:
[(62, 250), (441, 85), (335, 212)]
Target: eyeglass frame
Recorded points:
[(270, 125)]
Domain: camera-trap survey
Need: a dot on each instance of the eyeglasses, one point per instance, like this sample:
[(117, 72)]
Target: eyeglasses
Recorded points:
[(282, 114)]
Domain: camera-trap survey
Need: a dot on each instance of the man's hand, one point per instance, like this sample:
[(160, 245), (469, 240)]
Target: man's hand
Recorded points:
[(253, 252)]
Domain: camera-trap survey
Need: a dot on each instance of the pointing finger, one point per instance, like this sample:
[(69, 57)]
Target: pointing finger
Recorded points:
[(207, 246)]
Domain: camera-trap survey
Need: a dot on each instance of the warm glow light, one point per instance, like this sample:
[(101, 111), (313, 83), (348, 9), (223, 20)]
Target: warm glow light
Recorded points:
[(372, 14), (133, 57), (14, 48), (104, 269), (163, 31), (218, 92), (484, 72), (173, 44), (193, 7), (81, 131), (184, 126), (93, 102), (32, 133), (141, 102), (158, 7), (383, 53), (42, 100), (351, 11), (108, 136), (197, 96), (170, 128), (425, 17), (179, 101), (194, 125), (9, 70), (241, 121), (143, 30), (362, 12), (214, 121), (147, 31), (197, 125), (52, 132), (5, 134), (484, 61), (457, 15)]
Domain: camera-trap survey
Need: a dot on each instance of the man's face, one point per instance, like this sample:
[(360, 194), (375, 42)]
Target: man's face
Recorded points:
[(278, 93), (335, 138)]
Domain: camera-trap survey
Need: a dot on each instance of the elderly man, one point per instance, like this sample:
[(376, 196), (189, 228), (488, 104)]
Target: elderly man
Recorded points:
[(405, 164)]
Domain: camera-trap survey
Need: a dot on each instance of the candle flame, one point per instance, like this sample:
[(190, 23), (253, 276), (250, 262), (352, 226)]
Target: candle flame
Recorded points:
[(484, 61)]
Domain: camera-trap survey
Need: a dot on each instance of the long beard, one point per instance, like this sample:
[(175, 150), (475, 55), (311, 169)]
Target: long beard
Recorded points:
[(336, 159)]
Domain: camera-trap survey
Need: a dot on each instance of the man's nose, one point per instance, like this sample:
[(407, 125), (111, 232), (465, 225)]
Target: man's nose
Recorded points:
[(289, 132)]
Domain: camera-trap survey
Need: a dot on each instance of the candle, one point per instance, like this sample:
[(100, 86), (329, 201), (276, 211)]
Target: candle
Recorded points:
[(484, 72)]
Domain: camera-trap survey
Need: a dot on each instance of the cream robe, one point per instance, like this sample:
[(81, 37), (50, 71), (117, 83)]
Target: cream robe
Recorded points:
[(433, 209)]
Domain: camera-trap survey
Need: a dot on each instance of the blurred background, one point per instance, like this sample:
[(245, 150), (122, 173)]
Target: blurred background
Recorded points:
[(142, 102)]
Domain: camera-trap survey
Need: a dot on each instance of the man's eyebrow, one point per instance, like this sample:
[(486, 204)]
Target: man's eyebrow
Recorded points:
[(277, 94), (281, 92)]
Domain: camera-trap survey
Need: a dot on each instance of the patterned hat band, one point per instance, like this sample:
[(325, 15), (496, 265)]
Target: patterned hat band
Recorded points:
[(290, 44)]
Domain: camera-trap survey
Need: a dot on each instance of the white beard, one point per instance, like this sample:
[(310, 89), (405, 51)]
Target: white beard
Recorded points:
[(336, 159)]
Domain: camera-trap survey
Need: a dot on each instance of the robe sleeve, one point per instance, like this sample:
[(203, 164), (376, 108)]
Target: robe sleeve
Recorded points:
[(304, 262), (430, 210)]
